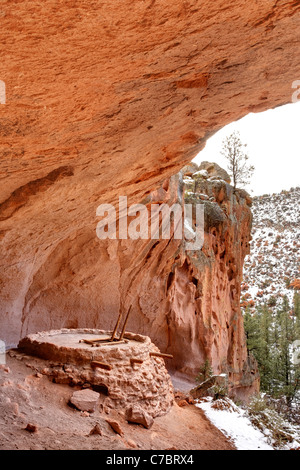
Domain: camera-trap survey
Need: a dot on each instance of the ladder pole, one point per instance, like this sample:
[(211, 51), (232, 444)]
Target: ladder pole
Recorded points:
[(116, 327), (125, 323)]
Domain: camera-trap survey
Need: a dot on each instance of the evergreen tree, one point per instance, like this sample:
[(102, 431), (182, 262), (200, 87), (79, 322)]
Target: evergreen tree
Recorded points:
[(205, 372), (251, 327), (271, 335), (285, 364), (266, 357), (286, 373), (258, 329), (296, 304)]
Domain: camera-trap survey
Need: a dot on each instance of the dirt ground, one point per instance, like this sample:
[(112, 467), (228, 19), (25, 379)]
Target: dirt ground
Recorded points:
[(30, 398)]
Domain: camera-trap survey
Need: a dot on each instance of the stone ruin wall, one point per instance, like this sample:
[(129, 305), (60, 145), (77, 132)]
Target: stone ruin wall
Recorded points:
[(124, 383)]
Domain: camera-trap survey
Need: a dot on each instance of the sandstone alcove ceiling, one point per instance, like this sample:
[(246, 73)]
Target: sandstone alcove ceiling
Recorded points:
[(113, 98)]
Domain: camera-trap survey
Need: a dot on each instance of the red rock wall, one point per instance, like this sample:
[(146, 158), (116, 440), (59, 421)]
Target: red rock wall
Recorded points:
[(109, 99), (187, 302)]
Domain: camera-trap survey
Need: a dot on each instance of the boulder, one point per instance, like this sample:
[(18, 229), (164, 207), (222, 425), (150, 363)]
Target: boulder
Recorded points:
[(201, 173), (96, 430), (116, 427), (206, 388), (190, 169), (31, 428), (242, 193), (85, 400), (182, 403), (138, 416), (214, 170)]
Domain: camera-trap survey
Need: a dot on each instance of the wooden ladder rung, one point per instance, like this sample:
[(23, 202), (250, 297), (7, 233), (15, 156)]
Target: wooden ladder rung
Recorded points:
[(101, 365), (91, 341), (108, 343), (136, 361), (159, 354)]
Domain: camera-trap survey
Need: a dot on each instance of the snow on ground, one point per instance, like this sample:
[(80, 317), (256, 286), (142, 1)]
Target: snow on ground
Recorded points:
[(235, 425)]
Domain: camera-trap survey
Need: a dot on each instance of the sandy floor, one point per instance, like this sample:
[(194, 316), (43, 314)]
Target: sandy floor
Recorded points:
[(29, 398)]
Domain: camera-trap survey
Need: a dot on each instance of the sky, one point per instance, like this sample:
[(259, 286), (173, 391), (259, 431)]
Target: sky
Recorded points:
[(273, 147)]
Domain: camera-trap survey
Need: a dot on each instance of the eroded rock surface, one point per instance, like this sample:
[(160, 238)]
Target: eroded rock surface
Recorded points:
[(102, 103), (188, 302)]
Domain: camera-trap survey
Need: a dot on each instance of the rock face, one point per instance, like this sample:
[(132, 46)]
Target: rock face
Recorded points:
[(100, 103), (187, 302)]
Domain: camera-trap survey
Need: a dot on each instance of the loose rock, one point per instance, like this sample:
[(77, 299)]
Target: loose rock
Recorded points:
[(138, 416), (85, 400), (115, 426), (31, 428), (96, 430)]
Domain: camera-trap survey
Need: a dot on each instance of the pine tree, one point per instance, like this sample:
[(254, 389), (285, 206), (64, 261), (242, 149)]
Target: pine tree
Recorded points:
[(265, 356), (238, 167), (205, 372), (251, 327), (259, 336), (285, 366), (270, 337), (296, 304)]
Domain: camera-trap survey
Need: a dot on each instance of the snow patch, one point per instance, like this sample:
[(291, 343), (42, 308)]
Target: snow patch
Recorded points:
[(234, 424)]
